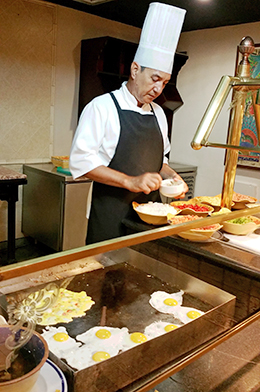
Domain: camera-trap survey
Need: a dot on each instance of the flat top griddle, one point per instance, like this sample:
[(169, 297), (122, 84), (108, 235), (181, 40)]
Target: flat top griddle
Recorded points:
[(125, 291)]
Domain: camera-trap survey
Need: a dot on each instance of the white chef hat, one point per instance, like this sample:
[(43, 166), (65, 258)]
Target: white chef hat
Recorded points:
[(159, 37)]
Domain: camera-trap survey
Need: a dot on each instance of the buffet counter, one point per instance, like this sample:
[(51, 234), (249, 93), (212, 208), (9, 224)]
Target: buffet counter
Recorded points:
[(220, 280), (222, 249)]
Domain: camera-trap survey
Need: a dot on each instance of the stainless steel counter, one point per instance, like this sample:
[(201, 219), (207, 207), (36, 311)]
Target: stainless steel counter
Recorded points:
[(50, 169), (54, 207)]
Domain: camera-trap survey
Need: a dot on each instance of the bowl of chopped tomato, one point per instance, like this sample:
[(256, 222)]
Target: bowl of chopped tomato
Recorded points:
[(198, 234), (192, 208)]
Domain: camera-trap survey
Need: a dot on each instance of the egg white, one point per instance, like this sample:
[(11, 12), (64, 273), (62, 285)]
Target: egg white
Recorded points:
[(158, 297), (83, 358), (59, 348), (183, 314), (157, 328), (116, 338)]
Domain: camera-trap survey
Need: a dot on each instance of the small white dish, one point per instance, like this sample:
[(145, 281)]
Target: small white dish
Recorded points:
[(50, 379), (171, 187)]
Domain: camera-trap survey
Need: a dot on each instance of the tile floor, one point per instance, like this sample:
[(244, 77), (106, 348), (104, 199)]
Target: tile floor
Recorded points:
[(26, 248), (233, 366)]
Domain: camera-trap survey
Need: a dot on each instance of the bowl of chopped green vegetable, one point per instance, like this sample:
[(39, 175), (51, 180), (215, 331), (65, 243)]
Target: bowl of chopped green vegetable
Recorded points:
[(241, 226)]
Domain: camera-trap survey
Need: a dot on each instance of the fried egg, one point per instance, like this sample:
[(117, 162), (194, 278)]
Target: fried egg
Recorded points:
[(89, 355), (159, 328), (186, 314), (165, 302), (103, 337), (133, 339), (59, 341)]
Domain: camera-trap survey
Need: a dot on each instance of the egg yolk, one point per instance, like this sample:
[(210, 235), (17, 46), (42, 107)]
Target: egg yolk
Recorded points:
[(170, 327), (192, 314), (61, 336), (170, 302), (103, 333), (100, 356), (138, 337)]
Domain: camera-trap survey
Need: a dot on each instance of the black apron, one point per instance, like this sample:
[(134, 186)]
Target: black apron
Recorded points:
[(139, 150)]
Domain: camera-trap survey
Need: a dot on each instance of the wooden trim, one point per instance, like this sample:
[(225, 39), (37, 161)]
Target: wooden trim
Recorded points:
[(25, 267)]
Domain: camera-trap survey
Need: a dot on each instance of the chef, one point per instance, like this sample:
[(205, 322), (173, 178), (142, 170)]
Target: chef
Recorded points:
[(121, 139)]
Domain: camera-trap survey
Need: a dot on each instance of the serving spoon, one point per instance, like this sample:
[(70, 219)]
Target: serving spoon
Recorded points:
[(23, 314)]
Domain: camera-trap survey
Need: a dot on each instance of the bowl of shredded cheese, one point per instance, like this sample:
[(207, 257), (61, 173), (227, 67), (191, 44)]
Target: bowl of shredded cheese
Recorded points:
[(154, 213)]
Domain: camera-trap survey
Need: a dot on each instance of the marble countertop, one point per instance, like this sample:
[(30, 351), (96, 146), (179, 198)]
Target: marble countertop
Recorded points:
[(9, 174)]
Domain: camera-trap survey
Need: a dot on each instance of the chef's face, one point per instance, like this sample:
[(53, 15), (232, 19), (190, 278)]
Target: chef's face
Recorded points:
[(147, 83)]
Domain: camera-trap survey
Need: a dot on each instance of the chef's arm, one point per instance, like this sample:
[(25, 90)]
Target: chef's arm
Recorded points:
[(145, 183), (168, 172)]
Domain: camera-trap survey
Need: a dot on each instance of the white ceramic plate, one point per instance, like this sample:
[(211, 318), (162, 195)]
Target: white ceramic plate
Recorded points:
[(51, 379)]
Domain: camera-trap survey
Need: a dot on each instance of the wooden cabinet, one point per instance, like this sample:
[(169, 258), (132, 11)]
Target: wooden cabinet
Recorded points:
[(105, 64)]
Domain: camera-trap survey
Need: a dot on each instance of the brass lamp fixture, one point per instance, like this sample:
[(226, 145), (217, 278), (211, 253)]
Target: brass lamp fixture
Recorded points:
[(92, 2), (242, 85)]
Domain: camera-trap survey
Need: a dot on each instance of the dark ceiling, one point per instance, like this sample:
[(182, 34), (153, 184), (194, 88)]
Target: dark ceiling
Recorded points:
[(201, 14)]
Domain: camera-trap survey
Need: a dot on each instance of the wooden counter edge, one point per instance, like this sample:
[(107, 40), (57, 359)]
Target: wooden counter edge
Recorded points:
[(25, 267)]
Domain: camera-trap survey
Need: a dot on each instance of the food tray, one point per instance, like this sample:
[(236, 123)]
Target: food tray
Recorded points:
[(142, 275), (61, 161)]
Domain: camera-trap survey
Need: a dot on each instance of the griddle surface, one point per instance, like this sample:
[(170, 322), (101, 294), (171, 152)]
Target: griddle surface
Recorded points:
[(125, 291)]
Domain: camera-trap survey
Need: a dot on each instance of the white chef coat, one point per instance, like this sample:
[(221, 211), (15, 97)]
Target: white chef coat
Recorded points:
[(98, 130)]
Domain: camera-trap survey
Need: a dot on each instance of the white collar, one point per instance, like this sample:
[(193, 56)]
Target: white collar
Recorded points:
[(132, 100)]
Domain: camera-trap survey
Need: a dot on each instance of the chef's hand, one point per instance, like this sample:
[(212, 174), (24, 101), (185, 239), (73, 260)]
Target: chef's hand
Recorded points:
[(168, 172), (145, 183), (186, 188)]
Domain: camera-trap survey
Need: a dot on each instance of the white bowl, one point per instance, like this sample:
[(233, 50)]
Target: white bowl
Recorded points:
[(171, 187)]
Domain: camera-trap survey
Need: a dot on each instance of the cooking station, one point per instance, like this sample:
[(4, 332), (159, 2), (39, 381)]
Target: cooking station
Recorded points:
[(151, 260), (9, 183), (219, 280)]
